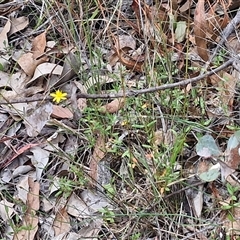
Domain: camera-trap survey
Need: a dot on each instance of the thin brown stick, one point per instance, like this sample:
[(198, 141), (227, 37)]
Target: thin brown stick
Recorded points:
[(133, 93)]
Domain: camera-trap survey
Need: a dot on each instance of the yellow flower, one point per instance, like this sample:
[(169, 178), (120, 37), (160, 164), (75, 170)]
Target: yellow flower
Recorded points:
[(58, 96)]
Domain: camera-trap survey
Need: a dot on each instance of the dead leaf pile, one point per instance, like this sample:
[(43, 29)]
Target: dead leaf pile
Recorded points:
[(81, 168)]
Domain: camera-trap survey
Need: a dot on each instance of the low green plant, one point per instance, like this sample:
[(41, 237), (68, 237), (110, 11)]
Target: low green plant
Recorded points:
[(110, 189), (1, 67), (232, 202), (108, 215), (219, 59), (232, 190), (136, 236), (66, 187), (81, 179)]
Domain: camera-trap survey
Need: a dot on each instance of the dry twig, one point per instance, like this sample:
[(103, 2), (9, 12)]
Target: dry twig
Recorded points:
[(133, 93)]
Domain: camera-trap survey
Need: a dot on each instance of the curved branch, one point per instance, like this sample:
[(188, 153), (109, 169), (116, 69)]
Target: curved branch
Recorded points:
[(131, 93)]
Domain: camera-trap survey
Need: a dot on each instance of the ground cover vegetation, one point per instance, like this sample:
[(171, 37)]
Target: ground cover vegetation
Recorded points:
[(119, 119)]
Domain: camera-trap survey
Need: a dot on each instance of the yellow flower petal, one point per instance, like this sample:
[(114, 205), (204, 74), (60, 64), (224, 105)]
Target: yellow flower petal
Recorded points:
[(58, 96)]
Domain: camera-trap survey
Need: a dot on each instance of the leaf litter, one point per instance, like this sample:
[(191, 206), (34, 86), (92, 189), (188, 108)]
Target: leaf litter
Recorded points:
[(102, 169)]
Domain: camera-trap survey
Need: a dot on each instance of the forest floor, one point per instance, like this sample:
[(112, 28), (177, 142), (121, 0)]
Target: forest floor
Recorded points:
[(119, 120)]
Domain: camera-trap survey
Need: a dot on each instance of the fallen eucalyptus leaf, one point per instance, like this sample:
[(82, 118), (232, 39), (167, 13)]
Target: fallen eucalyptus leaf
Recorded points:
[(206, 147), (212, 173)]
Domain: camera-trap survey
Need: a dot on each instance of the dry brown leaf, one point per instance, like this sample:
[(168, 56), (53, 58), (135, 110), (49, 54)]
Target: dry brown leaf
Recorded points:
[(135, 7), (212, 21), (39, 159), (3, 36), (28, 61), (44, 69), (80, 86), (203, 166), (188, 87), (33, 195), (101, 80), (6, 209), (186, 6), (227, 92), (91, 230), (197, 202), (233, 44), (82, 103), (158, 137), (71, 67), (215, 23), (14, 81), (161, 137), (125, 41), (200, 30), (98, 154), (18, 24), (36, 118), (29, 64), (126, 60), (17, 153), (113, 106), (215, 79), (60, 112), (232, 158), (113, 59), (39, 44), (30, 220), (225, 83), (195, 197), (61, 222), (77, 207)]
